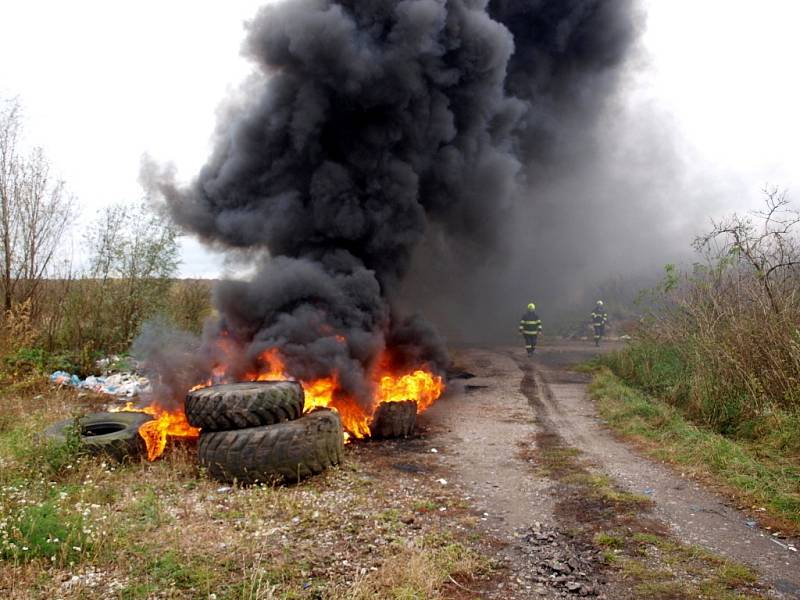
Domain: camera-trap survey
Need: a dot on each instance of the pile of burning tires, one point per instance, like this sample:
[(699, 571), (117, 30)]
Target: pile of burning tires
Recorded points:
[(257, 432), (250, 432)]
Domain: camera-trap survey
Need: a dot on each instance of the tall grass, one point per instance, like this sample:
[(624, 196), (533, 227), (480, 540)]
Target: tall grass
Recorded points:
[(727, 363), (722, 341), (71, 323)]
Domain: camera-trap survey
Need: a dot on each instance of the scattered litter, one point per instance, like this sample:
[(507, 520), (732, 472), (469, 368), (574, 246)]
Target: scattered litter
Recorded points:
[(434, 450), (649, 491), (64, 378), (751, 524), (224, 489), (104, 363), (442, 481), (118, 384), (442, 508)]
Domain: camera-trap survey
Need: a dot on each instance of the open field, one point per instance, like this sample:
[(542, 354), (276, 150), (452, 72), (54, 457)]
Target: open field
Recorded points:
[(525, 494)]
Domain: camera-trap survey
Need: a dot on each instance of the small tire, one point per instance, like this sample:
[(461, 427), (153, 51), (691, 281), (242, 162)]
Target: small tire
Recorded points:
[(287, 451), (394, 419), (113, 434), (242, 405)]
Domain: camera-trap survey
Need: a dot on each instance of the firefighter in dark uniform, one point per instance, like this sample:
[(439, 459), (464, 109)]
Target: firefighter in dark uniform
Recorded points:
[(530, 325), (599, 320)]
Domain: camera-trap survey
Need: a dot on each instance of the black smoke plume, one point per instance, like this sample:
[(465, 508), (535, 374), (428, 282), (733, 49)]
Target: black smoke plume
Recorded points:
[(565, 65), (367, 126)]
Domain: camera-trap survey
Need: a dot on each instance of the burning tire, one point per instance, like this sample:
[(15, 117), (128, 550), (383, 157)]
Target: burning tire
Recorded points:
[(394, 419), (113, 434), (242, 405), (286, 451)]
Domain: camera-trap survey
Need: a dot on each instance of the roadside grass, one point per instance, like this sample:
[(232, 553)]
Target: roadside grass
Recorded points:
[(424, 574), (757, 479), (74, 526), (706, 574)]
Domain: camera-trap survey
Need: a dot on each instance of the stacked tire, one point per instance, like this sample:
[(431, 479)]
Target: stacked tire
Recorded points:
[(256, 432), (394, 419)]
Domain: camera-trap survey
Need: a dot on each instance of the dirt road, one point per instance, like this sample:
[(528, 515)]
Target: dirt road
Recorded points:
[(523, 442)]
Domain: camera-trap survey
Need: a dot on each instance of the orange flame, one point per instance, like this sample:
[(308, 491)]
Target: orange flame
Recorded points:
[(165, 423), (420, 386)]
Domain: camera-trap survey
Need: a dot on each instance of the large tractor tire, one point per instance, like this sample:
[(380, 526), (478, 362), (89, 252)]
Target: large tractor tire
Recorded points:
[(286, 451), (243, 405), (394, 419), (113, 434)]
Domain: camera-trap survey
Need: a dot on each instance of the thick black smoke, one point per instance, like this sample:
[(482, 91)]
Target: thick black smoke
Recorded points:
[(583, 212), (566, 62), (367, 126)]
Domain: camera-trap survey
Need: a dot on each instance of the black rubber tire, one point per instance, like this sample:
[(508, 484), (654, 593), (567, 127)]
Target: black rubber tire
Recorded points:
[(286, 451), (112, 434), (394, 419), (242, 405)]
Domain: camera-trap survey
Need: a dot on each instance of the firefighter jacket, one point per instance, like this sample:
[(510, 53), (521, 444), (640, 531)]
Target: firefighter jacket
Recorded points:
[(599, 316), (530, 323)]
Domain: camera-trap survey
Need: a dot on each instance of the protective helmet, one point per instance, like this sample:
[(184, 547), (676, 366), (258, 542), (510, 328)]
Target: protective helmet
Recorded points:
[(599, 303), (531, 306)]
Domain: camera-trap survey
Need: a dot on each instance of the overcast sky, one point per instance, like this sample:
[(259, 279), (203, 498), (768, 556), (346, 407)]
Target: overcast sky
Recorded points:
[(103, 82)]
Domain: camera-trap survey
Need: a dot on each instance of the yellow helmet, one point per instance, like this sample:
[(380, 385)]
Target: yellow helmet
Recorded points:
[(531, 306)]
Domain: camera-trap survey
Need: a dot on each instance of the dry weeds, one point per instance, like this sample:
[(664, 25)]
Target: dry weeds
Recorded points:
[(164, 530)]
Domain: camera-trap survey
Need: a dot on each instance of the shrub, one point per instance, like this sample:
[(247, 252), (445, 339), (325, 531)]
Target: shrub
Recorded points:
[(722, 341)]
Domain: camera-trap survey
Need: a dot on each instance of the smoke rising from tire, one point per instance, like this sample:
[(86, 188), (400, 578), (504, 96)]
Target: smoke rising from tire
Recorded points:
[(366, 127)]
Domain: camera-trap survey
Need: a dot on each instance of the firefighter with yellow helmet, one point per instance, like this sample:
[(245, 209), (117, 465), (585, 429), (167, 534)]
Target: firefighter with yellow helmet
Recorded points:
[(530, 326), (599, 320)]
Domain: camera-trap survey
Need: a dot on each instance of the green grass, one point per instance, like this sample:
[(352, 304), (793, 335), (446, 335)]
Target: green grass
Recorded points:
[(711, 576), (607, 540), (761, 478), (45, 532)]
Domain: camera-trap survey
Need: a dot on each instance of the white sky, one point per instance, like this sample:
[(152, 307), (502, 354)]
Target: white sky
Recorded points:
[(103, 82)]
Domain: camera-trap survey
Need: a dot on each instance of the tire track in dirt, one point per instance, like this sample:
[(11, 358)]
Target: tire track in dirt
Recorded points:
[(522, 443), (483, 433), (694, 515)]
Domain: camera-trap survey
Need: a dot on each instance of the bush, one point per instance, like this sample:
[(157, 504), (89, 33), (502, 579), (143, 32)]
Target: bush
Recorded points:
[(722, 342), (190, 304), (25, 362)]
